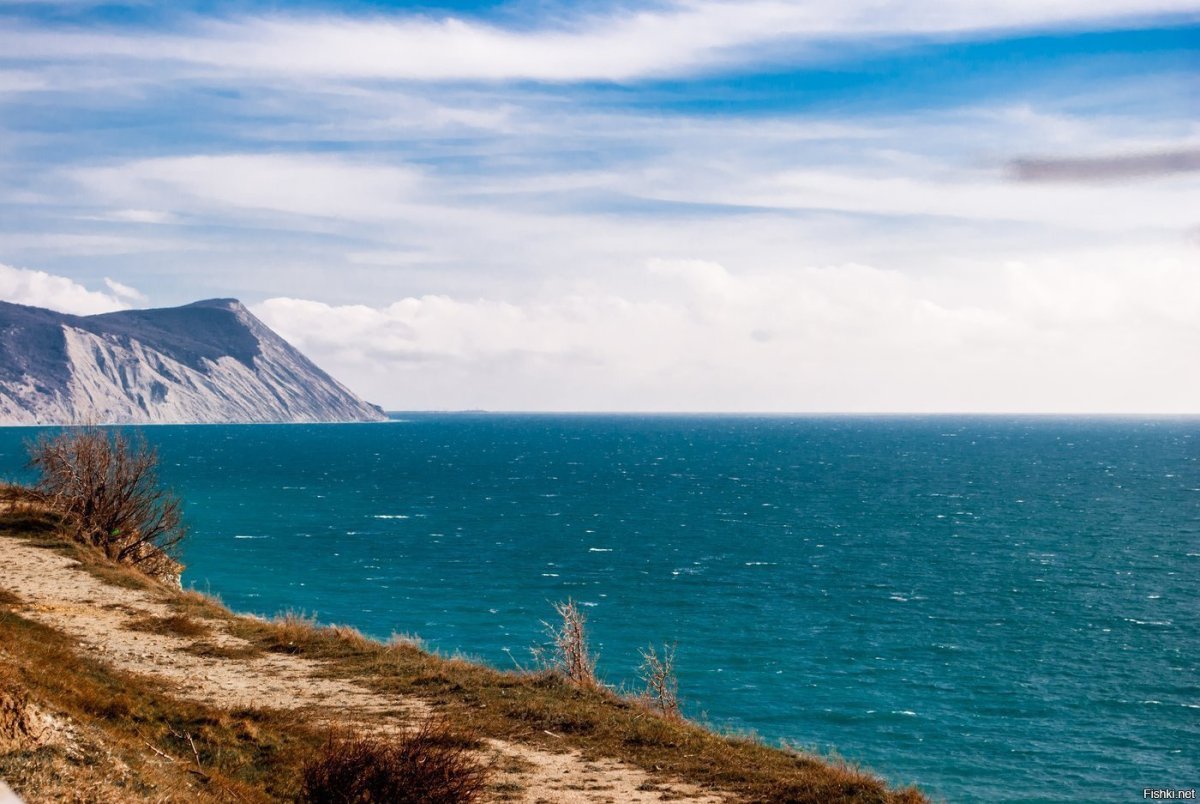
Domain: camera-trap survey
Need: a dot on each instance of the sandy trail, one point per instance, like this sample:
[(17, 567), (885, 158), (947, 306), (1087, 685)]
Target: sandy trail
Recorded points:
[(99, 615)]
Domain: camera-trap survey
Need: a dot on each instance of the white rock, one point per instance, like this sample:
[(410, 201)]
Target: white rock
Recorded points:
[(207, 362)]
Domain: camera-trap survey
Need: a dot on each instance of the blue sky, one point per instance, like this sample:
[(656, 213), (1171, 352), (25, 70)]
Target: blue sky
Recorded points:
[(690, 205)]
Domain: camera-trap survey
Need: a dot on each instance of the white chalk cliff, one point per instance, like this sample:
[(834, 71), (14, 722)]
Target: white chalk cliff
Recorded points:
[(207, 362)]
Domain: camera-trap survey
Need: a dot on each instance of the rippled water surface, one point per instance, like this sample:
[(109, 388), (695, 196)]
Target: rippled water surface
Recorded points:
[(1000, 609)]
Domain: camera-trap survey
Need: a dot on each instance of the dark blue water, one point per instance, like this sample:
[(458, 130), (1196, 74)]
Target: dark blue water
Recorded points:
[(996, 609)]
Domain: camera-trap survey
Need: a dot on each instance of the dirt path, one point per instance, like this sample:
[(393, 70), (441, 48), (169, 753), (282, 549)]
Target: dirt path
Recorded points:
[(99, 617)]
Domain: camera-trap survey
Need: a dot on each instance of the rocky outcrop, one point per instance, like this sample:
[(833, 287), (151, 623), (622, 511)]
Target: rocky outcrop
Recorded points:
[(207, 362), (22, 725)]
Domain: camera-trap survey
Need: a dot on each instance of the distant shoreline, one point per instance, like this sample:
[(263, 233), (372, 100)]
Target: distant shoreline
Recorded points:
[(395, 416)]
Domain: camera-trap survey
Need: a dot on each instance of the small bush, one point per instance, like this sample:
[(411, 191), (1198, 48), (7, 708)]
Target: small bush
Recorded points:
[(105, 486), (572, 657), (434, 765), (662, 686)]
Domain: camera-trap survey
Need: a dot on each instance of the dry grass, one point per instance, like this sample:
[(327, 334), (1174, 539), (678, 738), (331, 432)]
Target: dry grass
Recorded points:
[(173, 625), (214, 650), (295, 633), (409, 640), (165, 747), (195, 603), (433, 765), (547, 710)]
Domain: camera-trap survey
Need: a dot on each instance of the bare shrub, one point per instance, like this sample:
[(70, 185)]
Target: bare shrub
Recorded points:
[(570, 654), (662, 685), (106, 488), (434, 765)]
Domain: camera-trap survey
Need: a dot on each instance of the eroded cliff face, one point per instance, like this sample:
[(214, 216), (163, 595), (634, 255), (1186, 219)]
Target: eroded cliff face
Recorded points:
[(207, 362)]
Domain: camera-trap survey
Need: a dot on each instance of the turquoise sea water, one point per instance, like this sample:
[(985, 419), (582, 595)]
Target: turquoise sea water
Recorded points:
[(995, 609)]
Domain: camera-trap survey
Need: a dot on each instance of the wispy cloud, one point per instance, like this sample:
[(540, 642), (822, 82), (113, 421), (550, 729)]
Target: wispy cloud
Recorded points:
[(307, 185), (125, 292), (628, 44)]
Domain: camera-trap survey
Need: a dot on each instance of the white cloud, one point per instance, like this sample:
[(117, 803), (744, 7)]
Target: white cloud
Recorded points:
[(139, 216), (40, 289), (1087, 332), (979, 196), (819, 190), (686, 36), (306, 185), (125, 292)]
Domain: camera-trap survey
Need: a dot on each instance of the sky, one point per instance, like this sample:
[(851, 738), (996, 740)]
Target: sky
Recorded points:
[(646, 205)]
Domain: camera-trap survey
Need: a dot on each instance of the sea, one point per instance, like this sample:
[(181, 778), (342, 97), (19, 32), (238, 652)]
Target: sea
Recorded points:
[(992, 608)]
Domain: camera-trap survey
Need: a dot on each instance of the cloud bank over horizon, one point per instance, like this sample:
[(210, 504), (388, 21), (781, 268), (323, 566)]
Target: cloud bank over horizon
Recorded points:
[(843, 338), (763, 206)]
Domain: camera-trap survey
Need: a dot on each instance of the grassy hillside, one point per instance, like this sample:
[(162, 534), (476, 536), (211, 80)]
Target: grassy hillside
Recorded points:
[(84, 718)]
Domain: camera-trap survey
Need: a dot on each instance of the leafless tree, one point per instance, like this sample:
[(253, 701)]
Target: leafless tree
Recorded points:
[(105, 485)]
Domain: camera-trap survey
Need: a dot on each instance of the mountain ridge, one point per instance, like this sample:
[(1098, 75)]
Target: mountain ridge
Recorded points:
[(211, 361)]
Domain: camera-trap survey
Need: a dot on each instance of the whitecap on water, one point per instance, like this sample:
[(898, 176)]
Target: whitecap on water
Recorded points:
[(245, 536), (390, 516), (600, 549)]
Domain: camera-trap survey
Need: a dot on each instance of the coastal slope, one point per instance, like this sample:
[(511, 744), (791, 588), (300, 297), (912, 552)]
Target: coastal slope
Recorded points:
[(157, 694), (207, 362)]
